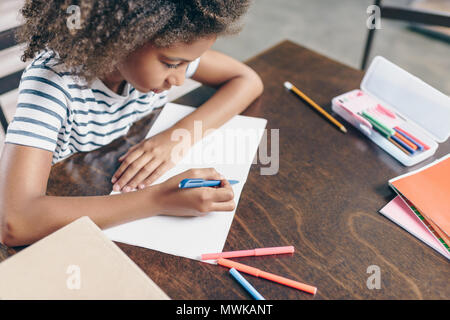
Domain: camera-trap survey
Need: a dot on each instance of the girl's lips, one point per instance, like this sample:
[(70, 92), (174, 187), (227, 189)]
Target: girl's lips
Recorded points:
[(159, 90)]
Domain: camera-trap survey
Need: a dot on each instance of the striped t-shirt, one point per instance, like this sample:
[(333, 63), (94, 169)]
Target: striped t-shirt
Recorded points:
[(58, 114)]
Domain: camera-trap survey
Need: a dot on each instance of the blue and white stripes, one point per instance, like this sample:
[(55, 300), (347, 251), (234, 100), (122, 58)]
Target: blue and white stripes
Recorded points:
[(58, 114)]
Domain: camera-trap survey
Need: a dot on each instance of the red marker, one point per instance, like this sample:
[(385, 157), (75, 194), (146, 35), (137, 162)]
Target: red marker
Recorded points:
[(248, 253), (266, 275)]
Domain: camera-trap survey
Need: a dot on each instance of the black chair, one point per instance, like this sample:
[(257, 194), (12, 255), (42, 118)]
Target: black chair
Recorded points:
[(11, 81), (425, 17)]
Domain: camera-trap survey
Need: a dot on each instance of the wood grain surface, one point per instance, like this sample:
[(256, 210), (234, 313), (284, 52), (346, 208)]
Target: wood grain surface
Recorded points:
[(324, 199)]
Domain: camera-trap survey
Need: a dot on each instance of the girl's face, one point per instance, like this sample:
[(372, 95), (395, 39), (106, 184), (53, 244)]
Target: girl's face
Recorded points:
[(157, 69)]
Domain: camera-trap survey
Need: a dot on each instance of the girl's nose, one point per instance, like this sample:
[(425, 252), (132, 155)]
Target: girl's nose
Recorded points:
[(177, 77)]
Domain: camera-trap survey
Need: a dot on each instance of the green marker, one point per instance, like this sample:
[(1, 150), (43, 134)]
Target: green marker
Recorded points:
[(385, 130)]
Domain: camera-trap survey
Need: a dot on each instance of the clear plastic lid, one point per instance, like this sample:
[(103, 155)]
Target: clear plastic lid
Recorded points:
[(410, 96)]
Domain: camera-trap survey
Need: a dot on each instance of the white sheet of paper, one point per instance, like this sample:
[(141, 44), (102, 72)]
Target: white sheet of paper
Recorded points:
[(230, 150)]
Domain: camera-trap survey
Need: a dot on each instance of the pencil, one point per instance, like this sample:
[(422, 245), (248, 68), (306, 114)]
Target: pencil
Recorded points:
[(291, 87)]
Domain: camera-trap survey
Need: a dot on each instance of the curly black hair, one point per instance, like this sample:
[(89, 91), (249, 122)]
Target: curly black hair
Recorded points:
[(109, 30)]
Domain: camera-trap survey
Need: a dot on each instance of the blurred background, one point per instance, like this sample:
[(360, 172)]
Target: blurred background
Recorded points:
[(336, 29)]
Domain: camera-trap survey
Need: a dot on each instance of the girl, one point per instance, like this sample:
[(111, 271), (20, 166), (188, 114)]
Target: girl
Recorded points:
[(99, 66)]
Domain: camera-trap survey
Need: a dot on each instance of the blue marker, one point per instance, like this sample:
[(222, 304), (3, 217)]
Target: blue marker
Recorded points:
[(404, 145), (197, 183), (419, 146), (239, 278)]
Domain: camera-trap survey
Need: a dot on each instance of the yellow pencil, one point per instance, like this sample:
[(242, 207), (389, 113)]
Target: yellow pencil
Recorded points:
[(290, 86)]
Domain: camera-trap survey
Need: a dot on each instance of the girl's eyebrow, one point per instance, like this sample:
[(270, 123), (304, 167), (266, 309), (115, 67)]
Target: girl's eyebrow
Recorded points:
[(175, 59)]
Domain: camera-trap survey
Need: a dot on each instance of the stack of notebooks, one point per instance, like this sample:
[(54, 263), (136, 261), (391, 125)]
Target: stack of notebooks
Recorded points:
[(422, 205)]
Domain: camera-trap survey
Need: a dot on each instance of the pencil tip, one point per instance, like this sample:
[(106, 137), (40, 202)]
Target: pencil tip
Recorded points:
[(343, 130)]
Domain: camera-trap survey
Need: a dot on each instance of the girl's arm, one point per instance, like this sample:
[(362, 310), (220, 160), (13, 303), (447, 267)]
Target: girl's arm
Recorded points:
[(27, 214), (238, 86)]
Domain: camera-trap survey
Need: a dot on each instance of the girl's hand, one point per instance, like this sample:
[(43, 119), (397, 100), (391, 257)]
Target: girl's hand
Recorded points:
[(144, 163), (194, 201)]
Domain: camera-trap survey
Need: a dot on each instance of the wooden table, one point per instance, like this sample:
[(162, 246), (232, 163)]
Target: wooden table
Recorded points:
[(324, 200)]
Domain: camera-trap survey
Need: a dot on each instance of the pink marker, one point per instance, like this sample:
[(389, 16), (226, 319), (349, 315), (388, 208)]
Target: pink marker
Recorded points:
[(385, 111), (248, 253)]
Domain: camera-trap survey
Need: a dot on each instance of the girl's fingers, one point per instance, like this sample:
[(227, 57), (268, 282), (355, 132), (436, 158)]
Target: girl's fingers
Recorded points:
[(123, 156), (127, 162), (206, 173), (224, 206), (158, 172), (143, 174), (223, 195), (131, 170), (128, 152), (225, 184)]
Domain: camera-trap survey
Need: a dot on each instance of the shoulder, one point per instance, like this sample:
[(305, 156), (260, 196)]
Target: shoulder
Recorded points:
[(42, 105), (45, 74)]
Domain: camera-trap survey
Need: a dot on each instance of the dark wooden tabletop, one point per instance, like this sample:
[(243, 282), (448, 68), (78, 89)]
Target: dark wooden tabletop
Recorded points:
[(324, 200)]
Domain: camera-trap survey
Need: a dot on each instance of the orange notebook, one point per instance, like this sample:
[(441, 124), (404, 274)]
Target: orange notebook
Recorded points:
[(428, 189)]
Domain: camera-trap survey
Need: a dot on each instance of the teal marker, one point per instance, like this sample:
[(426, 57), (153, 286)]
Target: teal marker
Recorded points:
[(247, 286)]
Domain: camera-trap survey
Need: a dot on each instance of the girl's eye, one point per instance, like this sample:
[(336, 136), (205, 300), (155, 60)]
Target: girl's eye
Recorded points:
[(171, 66)]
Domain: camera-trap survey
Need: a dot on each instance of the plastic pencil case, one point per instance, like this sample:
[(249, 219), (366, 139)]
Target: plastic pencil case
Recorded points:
[(421, 110)]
